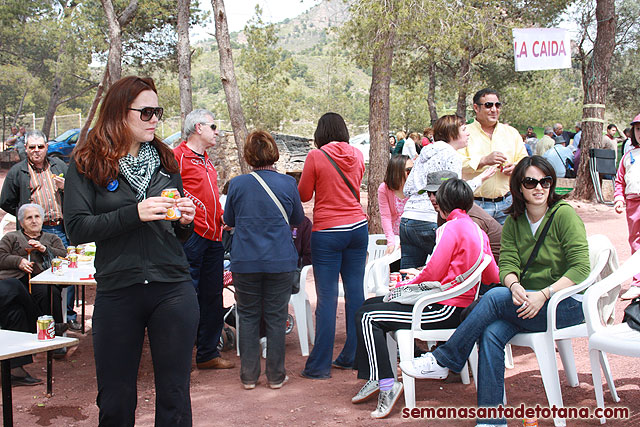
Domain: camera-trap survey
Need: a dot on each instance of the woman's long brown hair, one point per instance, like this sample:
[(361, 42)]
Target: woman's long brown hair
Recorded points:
[(110, 139)]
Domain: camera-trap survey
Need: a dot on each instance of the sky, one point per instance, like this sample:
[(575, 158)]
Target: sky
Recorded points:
[(239, 12)]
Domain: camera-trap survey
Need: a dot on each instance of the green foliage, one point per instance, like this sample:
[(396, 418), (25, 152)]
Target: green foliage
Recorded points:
[(266, 100)]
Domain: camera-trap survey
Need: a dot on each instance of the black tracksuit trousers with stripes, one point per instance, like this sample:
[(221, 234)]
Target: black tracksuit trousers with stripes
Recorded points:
[(375, 318)]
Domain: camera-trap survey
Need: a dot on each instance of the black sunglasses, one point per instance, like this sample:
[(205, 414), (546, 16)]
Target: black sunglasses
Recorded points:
[(211, 125), (33, 147), (147, 112), (531, 183), (489, 105)]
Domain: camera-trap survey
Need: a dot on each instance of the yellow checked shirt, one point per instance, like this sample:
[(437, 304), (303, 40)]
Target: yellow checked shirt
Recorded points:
[(505, 139)]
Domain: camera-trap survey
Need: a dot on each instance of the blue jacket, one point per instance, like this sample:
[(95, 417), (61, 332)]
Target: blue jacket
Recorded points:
[(262, 241)]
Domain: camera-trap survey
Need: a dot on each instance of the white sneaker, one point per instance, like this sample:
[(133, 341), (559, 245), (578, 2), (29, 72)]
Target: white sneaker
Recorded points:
[(632, 292), (263, 346), (424, 366)]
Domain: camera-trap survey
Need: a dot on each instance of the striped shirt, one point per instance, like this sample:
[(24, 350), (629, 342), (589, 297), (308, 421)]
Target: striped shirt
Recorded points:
[(45, 193)]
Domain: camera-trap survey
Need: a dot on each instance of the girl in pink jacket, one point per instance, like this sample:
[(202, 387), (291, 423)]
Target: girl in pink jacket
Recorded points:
[(391, 199)]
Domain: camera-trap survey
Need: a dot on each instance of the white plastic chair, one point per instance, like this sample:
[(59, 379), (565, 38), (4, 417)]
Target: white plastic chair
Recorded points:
[(405, 337), (375, 250), (6, 220), (376, 274), (601, 253), (302, 312), (618, 339)]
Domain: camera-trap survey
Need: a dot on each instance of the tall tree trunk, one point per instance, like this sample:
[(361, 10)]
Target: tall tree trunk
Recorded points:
[(229, 83), (431, 93), (379, 124), (19, 111), (595, 82), (184, 59), (53, 104), (94, 106), (116, 24), (464, 78)]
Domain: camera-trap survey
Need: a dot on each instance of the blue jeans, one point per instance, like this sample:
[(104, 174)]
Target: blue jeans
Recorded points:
[(262, 295), (205, 265), (58, 230), (493, 322), (417, 239), (344, 253), (496, 209)]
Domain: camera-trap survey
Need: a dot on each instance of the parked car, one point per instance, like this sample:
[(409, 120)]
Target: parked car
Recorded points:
[(173, 139), (63, 144), (361, 142)]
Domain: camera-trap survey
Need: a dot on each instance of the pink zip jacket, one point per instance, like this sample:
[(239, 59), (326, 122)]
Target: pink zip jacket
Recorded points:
[(388, 212), (628, 176), (456, 251)]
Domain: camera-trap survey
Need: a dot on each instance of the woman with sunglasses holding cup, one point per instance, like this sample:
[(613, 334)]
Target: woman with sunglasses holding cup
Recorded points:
[(114, 186), (521, 305)]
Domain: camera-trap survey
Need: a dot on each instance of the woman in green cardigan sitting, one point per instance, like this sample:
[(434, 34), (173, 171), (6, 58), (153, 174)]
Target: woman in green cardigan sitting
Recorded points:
[(521, 305)]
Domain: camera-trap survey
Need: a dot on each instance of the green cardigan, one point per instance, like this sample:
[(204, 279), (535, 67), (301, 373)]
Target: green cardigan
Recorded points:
[(564, 252)]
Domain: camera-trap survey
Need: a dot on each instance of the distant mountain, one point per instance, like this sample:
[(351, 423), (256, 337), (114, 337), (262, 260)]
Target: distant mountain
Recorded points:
[(310, 28)]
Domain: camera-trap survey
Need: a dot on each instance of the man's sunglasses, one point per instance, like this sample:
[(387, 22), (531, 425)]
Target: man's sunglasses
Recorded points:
[(146, 113), (33, 147), (211, 125), (531, 183), (489, 105)]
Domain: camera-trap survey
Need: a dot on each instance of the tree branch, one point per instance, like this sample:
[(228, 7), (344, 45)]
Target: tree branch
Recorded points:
[(127, 15)]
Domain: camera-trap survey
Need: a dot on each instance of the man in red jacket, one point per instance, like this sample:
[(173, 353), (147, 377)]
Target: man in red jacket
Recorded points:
[(204, 248)]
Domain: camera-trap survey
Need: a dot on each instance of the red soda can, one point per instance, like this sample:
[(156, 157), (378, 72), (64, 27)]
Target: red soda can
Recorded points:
[(394, 278), (73, 260), (46, 328)]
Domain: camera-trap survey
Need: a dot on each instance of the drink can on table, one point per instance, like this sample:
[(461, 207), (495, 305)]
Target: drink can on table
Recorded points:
[(46, 328), (56, 265), (71, 250), (73, 260), (173, 213)]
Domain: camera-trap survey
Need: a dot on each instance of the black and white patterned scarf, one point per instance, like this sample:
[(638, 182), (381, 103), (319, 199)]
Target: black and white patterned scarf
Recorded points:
[(138, 170)]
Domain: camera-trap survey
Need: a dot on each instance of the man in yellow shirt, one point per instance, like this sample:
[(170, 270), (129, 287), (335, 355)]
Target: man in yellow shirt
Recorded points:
[(491, 144)]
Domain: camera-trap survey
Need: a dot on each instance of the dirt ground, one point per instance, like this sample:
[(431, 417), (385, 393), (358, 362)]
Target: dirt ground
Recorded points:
[(219, 400)]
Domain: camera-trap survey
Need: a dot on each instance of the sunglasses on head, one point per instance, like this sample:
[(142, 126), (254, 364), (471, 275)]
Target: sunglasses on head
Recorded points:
[(211, 125), (489, 105), (146, 113), (531, 183), (33, 147)]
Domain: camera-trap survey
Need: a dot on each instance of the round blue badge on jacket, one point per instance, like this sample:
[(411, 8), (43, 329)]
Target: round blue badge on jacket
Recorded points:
[(112, 185)]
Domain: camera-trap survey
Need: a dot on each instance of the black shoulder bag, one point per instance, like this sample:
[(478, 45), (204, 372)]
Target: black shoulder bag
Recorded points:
[(533, 255), (632, 314), (344, 178)]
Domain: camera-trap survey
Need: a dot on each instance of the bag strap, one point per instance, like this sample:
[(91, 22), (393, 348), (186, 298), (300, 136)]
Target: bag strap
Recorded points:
[(344, 178), (273, 196), (536, 248), (462, 277)]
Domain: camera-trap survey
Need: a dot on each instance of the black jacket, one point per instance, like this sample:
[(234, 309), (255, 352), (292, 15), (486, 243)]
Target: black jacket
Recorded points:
[(128, 251), (16, 190)]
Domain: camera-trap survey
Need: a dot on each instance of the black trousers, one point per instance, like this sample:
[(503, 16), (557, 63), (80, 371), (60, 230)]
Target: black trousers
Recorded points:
[(39, 295), (375, 318), (169, 313), (262, 296), (18, 312)]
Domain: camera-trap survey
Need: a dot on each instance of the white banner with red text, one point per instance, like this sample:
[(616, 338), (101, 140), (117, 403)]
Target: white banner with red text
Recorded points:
[(541, 48)]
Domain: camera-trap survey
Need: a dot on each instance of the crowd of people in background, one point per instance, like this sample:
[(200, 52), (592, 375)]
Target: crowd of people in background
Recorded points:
[(453, 195)]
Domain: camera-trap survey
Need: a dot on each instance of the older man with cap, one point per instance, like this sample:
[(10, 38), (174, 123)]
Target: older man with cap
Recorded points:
[(491, 143), (204, 249)]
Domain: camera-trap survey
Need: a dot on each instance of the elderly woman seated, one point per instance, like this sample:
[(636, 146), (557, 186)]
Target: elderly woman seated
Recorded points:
[(16, 265)]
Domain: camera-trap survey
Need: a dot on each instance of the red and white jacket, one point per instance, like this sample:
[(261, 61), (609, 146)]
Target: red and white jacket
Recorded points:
[(200, 181)]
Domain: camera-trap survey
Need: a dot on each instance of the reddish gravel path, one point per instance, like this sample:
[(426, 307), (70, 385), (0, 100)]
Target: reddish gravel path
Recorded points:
[(219, 400)]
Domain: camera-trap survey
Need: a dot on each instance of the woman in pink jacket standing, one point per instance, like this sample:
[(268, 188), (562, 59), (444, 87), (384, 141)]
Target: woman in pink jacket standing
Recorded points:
[(391, 199), (627, 193)]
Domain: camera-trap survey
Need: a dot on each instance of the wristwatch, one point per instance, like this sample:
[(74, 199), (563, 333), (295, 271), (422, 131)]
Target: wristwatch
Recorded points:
[(551, 291)]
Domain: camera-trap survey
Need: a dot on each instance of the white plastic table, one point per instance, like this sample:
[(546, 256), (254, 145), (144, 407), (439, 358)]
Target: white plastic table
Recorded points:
[(81, 276), (14, 344)]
